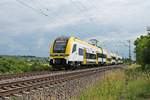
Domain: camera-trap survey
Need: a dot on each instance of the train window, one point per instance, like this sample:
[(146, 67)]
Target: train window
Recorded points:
[(74, 48), (90, 56), (93, 56), (100, 55), (114, 58), (104, 56), (109, 59), (60, 46), (80, 51)]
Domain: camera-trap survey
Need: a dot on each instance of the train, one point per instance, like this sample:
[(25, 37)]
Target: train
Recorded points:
[(72, 53)]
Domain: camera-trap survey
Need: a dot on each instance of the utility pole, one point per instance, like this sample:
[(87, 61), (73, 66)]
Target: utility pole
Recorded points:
[(148, 29), (129, 41), (129, 50)]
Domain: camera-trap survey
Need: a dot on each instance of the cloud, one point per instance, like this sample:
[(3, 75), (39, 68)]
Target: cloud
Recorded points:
[(33, 28)]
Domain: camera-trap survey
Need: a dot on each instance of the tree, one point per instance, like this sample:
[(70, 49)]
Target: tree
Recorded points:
[(142, 50)]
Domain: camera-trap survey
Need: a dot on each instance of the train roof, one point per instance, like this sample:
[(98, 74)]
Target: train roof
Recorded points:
[(83, 42)]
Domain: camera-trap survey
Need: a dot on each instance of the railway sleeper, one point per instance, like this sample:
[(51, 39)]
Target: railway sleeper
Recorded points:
[(17, 95), (7, 87), (25, 92)]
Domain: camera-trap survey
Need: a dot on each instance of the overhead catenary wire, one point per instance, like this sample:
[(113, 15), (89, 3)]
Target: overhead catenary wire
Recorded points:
[(40, 11), (34, 9), (82, 9), (42, 8)]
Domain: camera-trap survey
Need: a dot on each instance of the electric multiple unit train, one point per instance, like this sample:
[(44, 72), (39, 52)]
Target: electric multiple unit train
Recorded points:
[(71, 53)]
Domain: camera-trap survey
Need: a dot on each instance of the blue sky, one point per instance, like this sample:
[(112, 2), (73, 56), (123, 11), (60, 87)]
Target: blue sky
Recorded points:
[(28, 27)]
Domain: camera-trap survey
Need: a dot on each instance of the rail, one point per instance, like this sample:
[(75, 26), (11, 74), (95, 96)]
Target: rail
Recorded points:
[(22, 85)]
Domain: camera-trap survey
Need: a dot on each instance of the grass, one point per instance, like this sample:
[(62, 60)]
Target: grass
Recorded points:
[(130, 84), (10, 65)]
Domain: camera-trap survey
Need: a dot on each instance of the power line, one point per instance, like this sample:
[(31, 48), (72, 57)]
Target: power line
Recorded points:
[(129, 49), (36, 10), (82, 10), (39, 3), (40, 11)]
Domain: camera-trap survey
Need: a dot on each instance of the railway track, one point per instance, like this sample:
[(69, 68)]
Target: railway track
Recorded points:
[(23, 85), (26, 74)]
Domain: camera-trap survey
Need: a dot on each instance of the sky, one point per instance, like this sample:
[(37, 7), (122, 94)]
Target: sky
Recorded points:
[(28, 27)]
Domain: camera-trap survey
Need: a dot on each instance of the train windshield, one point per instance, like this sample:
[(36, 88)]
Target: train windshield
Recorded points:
[(60, 45)]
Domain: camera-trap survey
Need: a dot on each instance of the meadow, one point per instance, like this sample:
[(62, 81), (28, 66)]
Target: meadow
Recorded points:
[(20, 64), (130, 84)]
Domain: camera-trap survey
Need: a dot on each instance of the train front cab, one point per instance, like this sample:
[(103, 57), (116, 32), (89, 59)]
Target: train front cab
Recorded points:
[(59, 53)]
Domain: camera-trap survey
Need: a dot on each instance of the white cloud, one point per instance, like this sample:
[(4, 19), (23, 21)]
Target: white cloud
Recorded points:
[(63, 13), (108, 19)]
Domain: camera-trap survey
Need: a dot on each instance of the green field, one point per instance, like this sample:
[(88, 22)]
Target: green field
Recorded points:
[(130, 84), (19, 64)]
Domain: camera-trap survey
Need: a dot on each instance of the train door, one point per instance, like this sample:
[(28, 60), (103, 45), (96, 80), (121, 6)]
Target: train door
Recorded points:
[(84, 56), (96, 58), (102, 56), (74, 54)]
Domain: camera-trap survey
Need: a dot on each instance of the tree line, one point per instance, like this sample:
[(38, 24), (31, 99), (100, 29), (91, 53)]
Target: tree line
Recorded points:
[(142, 50)]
